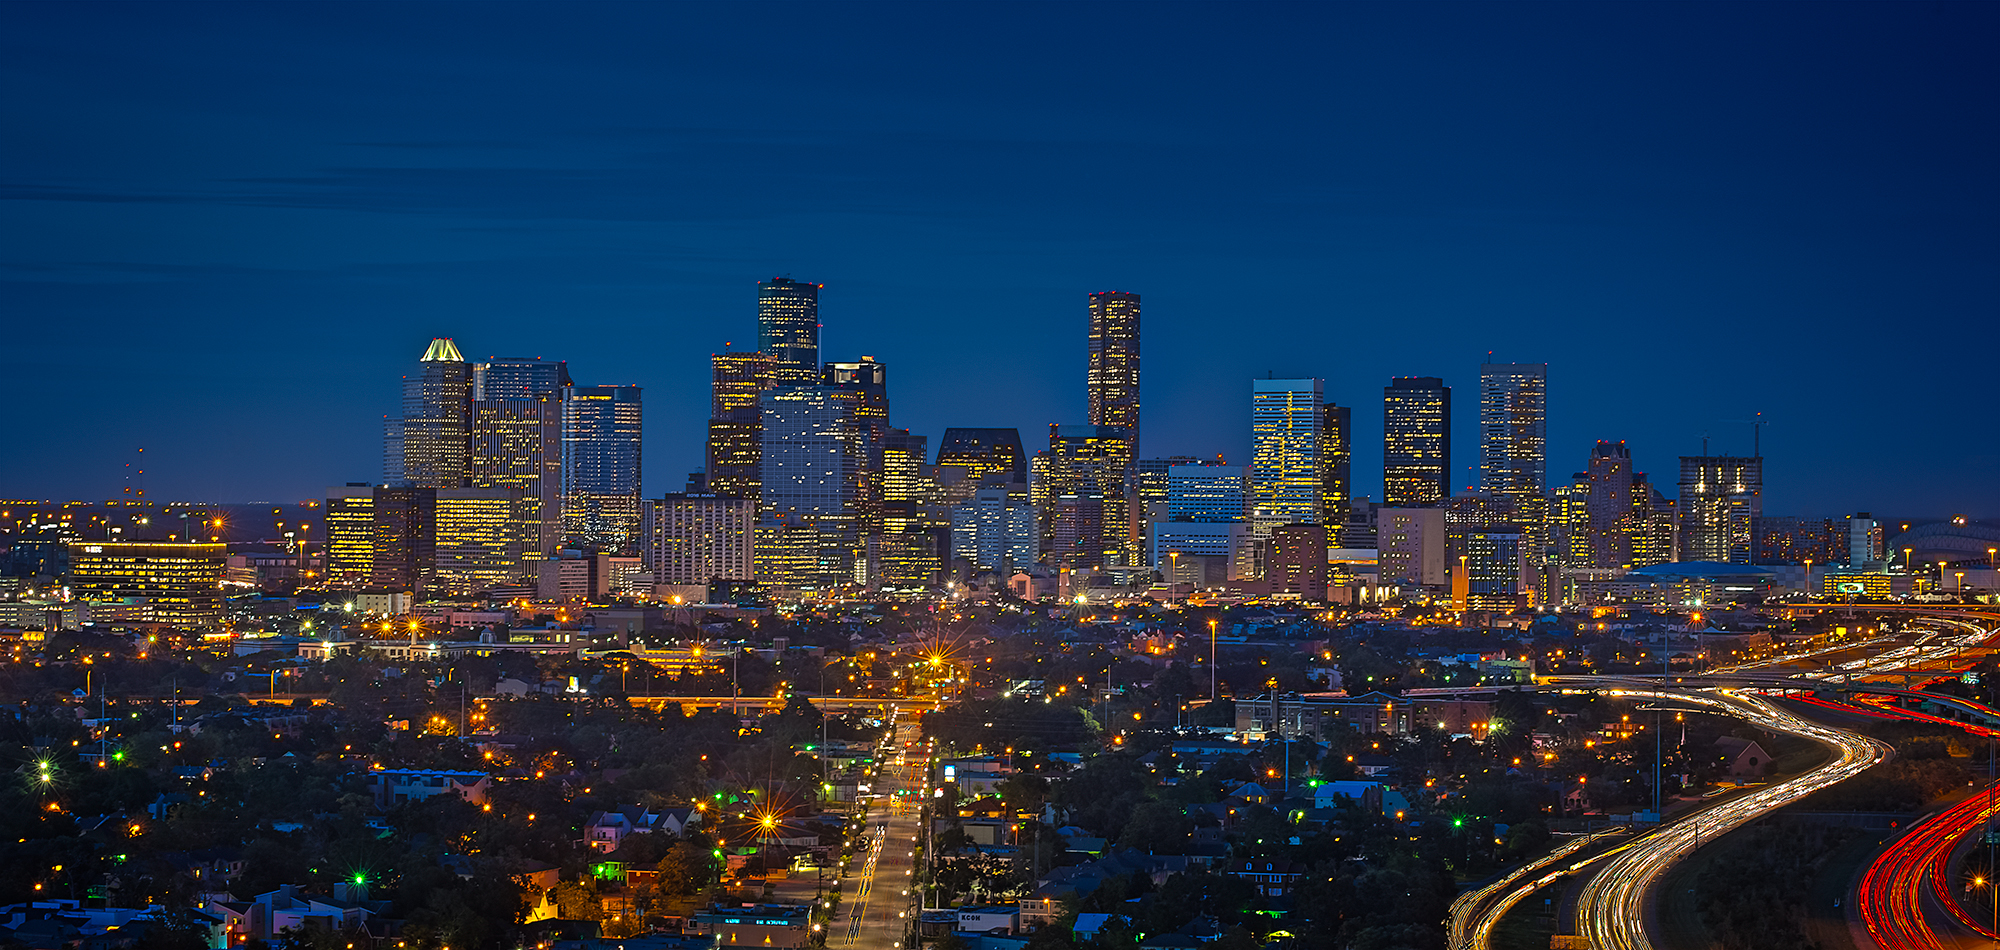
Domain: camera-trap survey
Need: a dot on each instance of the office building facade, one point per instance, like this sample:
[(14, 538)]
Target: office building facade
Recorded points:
[(1112, 377), (349, 522), (517, 444), (601, 466), (1296, 566), (788, 330), (177, 583), (734, 449), (1089, 465), (990, 455), (1336, 463), (1410, 546), (698, 538), (1513, 427), (520, 377), (478, 541), (428, 445), (1288, 442), (1211, 493), (1416, 442), (996, 530)]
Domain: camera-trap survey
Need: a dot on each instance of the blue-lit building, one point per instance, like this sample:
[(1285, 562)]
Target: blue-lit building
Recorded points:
[(601, 466)]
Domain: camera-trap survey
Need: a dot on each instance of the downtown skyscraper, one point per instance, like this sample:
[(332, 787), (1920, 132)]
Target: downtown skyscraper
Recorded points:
[(1514, 427), (1112, 378), (601, 475), (1722, 496), (1297, 470), (1416, 442), (734, 450), (1088, 520), (428, 444), (788, 330)]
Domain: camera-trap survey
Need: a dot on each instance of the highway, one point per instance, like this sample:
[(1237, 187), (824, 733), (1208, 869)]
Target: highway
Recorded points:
[(1475, 913), (1906, 889), (1612, 909)]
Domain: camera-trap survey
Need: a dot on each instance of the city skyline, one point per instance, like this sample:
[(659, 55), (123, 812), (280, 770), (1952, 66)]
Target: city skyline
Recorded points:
[(1684, 256)]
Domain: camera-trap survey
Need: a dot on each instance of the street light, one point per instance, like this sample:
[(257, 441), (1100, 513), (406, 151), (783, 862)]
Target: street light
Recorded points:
[(1213, 694)]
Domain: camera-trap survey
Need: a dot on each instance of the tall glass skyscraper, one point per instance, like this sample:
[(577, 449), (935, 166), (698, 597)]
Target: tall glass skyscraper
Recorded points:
[(788, 329), (428, 445), (601, 465), (517, 444), (1287, 439), (1416, 442), (1513, 427), (735, 425), (1113, 373)]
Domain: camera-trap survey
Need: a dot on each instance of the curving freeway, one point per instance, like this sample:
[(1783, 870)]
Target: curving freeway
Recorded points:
[(1611, 909), (1476, 913), (1904, 890)]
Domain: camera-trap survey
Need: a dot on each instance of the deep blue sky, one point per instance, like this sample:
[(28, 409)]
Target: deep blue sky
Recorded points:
[(225, 230)]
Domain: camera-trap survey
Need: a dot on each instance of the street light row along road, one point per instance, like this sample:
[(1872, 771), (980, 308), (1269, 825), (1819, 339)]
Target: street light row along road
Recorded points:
[(1612, 909)]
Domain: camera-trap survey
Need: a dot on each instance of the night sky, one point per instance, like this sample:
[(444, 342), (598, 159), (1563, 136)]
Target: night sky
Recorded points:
[(228, 230)]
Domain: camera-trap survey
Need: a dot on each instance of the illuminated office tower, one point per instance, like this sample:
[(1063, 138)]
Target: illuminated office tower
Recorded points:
[(428, 445), (1154, 479), (996, 530), (695, 539), (517, 444), (1088, 465), (1569, 522), (178, 583), (1513, 427), (1203, 535), (914, 544), (788, 329), (822, 475), (478, 542), (1113, 374), (1041, 479), (519, 377), (1148, 490), (989, 454), (815, 455), (1416, 442), (906, 476), (350, 536), (1335, 461), (1721, 496), (601, 466), (1287, 443), (736, 426), (1214, 494)]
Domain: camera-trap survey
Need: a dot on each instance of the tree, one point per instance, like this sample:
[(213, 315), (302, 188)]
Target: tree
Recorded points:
[(1162, 827), (576, 901), (687, 868)]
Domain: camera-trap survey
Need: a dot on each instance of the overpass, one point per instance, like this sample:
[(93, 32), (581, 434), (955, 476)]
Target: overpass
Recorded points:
[(767, 703)]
